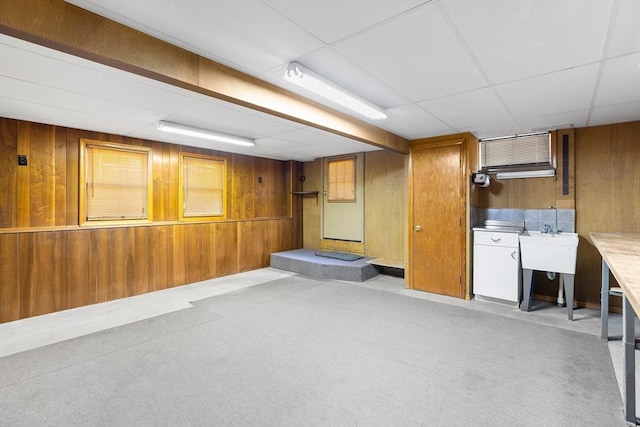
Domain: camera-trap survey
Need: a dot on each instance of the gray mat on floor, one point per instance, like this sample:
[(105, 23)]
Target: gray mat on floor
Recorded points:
[(339, 255), (303, 351)]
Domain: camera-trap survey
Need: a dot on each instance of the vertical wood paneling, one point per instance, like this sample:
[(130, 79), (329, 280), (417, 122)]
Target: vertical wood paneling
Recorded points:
[(73, 176), (78, 247), (42, 179), (140, 260), (118, 262), (242, 187), (178, 255), (226, 238), (101, 263), (23, 177), (8, 173), (60, 170), (42, 290), (45, 271), (9, 279), (385, 205)]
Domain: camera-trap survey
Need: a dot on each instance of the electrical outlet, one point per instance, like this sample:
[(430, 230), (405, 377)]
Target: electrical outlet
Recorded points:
[(22, 160), (259, 180)]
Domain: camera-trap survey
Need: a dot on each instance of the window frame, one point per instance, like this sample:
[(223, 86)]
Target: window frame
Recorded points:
[(354, 159), (85, 144), (217, 159)]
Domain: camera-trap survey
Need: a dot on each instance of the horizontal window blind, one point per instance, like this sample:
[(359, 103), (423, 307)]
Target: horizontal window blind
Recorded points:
[(116, 183), (341, 180), (532, 150), (203, 187)]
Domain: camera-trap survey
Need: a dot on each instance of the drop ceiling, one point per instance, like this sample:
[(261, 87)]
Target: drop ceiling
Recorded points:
[(438, 67)]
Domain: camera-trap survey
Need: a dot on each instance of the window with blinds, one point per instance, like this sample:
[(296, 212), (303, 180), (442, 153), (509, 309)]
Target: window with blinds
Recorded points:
[(516, 153), (115, 182), (203, 186), (341, 180)]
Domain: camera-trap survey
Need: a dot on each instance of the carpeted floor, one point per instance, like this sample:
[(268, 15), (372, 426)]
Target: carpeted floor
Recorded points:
[(308, 352)]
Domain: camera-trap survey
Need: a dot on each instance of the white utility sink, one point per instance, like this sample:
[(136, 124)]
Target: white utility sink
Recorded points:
[(549, 251)]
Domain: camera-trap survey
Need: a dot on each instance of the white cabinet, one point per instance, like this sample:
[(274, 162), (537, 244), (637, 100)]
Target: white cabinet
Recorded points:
[(496, 265)]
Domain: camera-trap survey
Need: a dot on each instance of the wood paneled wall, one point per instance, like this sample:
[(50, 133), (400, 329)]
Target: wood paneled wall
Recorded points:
[(49, 263), (607, 196), (606, 170), (385, 216)]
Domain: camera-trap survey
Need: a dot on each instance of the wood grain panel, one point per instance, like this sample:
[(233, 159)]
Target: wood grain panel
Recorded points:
[(76, 254), (242, 187), (23, 177), (178, 255), (42, 183), (312, 205), (251, 245), (118, 261), (226, 251), (102, 277), (141, 252), (385, 208), (607, 195), (9, 278), (8, 173), (72, 164), (60, 171), (42, 290)]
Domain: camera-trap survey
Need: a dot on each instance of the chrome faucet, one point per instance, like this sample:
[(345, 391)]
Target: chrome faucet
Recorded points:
[(546, 229)]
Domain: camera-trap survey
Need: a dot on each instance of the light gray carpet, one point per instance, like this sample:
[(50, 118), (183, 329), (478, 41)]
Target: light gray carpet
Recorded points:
[(307, 352)]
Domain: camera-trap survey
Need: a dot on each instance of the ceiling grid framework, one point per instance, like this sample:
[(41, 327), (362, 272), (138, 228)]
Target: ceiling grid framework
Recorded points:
[(492, 68)]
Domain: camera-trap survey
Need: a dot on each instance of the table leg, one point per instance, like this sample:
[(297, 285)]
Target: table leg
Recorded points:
[(604, 302), (629, 361)]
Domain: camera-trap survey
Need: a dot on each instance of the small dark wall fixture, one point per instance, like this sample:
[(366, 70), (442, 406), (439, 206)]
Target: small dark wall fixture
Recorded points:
[(22, 160)]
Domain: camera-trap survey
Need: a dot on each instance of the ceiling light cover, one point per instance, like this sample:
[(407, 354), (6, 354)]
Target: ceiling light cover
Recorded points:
[(526, 174), (204, 134), (307, 79)]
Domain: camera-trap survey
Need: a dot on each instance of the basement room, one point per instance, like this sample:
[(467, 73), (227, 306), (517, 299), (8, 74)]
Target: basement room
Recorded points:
[(319, 213)]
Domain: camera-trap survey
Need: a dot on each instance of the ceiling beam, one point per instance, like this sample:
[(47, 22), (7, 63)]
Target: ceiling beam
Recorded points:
[(67, 28)]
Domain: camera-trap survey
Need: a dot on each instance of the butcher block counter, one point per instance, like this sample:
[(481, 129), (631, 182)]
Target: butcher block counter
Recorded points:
[(621, 255)]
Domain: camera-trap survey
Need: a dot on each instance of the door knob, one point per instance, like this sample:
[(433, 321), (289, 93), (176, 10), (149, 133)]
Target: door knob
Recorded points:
[(417, 227)]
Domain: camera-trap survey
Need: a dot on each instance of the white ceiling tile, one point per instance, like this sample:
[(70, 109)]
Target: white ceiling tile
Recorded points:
[(467, 109), (245, 34), (513, 40), (617, 113), (412, 122), (98, 82), (554, 121), (553, 93), (334, 20), (620, 81), (493, 130), (417, 54), (215, 115), (71, 101), (626, 30)]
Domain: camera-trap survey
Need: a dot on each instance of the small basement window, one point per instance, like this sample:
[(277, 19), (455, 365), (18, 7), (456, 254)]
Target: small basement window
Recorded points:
[(115, 182), (202, 187), (518, 156), (341, 180)]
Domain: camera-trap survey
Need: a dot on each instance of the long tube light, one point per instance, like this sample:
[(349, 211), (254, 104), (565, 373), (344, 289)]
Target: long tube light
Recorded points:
[(204, 134), (307, 79)]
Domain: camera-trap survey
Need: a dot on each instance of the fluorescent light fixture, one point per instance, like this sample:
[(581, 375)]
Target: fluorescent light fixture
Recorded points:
[(204, 134), (526, 174), (307, 79)]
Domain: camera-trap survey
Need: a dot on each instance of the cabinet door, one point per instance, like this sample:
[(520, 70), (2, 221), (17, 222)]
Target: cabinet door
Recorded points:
[(496, 272)]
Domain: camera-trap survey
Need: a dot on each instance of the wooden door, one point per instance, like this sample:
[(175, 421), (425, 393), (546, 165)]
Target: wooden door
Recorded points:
[(437, 223)]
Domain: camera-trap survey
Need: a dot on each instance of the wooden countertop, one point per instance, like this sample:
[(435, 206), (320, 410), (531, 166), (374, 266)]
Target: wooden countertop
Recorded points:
[(621, 252)]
